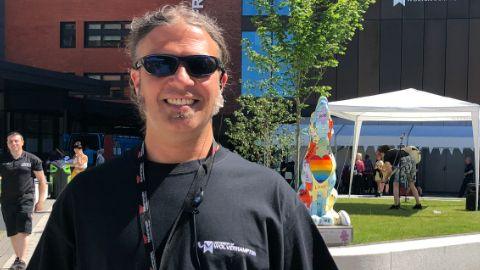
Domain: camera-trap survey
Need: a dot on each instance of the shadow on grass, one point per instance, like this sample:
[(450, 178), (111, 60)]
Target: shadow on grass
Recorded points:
[(376, 209)]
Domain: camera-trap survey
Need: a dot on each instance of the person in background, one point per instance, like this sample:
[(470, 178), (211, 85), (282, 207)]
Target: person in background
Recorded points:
[(379, 176), (358, 180), (80, 160), (368, 175), (402, 167), (468, 176), (18, 194)]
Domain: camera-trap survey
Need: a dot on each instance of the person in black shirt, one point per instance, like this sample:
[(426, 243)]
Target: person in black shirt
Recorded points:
[(18, 194), (369, 175), (179, 201), (403, 168), (468, 174)]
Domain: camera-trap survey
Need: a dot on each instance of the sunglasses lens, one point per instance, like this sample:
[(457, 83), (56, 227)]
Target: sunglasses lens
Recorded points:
[(201, 65), (160, 65)]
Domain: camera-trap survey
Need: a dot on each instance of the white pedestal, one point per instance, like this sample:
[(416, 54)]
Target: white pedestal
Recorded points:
[(336, 235)]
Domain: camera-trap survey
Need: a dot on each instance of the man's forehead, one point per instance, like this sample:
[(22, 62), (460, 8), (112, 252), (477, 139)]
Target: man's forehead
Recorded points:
[(14, 137), (179, 38)]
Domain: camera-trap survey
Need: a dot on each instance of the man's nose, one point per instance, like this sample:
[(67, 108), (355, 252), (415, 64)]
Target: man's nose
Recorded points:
[(182, 77)]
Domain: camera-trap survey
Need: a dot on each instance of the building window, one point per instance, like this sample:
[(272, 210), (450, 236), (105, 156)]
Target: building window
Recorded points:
[(67, 35), (106, 34), (119, 85), (252, 76)]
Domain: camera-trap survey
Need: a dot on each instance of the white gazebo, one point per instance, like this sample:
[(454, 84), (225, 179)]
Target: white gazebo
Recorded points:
[(408, 105)]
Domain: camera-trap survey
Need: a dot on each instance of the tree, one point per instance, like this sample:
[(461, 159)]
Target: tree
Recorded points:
[(298, 48), (257, 129)]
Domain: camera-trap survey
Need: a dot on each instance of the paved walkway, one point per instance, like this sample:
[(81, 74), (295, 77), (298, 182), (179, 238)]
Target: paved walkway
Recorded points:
[(7, 255)]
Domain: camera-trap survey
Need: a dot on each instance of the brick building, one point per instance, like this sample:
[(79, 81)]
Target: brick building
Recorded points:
[(85, 38)]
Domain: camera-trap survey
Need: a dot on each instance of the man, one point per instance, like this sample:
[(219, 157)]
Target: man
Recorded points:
[(18, 194), (403, 168), (468, 174), (180, 201)]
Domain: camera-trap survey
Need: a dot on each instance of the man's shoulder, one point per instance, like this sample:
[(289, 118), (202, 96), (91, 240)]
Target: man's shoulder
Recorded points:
[(31, 156), (240, 175)]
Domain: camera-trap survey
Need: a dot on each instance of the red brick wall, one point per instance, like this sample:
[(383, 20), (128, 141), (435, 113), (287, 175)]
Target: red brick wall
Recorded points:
[(32, 33)]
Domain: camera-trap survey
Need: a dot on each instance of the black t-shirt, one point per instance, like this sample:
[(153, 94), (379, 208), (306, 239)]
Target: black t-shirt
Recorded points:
[(393, 156), (17, 180), (249, 219), (167, 194)]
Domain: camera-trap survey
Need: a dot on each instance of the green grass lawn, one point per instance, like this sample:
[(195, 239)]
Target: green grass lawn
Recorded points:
[(373, 222)]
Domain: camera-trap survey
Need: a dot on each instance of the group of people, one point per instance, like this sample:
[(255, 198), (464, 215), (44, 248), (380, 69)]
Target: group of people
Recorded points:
[(364, 175), (373, 179), (368, 177), (391, 164)]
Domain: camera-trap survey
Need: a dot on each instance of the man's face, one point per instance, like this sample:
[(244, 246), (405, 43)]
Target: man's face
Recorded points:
[(179, 102), (14, 143), (379, 155)]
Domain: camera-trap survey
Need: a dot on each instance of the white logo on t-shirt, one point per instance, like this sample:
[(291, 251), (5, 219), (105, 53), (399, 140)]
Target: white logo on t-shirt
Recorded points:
[(210, 246)]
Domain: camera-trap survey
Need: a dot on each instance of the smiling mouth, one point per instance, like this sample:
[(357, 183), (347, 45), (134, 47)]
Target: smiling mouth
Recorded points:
[(180, 101)]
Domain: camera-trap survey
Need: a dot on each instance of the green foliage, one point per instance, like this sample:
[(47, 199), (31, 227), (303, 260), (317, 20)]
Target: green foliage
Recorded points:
[(298, 49), (256, 129)]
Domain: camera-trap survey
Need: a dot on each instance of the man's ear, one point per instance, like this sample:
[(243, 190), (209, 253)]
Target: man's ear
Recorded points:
[(135, 79), (223, 80)]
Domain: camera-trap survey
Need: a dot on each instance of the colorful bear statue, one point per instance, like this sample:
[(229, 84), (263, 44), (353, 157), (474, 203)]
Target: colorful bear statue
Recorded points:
[(318, 176)]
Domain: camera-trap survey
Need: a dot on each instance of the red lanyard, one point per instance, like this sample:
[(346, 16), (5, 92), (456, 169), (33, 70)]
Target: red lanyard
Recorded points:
[(144, 213)]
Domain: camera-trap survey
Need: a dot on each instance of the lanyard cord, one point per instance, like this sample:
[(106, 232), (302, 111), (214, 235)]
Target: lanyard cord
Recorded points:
[(144, 213)]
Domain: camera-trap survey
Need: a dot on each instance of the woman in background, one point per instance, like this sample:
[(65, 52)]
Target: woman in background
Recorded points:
[(80, 160)]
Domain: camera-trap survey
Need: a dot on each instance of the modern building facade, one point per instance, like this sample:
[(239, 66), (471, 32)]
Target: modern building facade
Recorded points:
[(431, 45)]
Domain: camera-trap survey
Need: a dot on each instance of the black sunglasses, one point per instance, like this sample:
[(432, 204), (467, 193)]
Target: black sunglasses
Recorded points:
[(161, 65)]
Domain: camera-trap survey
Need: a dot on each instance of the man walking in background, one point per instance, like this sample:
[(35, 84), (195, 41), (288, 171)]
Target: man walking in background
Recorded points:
[(18, 194)]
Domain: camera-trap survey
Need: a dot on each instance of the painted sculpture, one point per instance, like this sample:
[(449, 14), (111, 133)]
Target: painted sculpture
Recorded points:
[(317, 190)]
